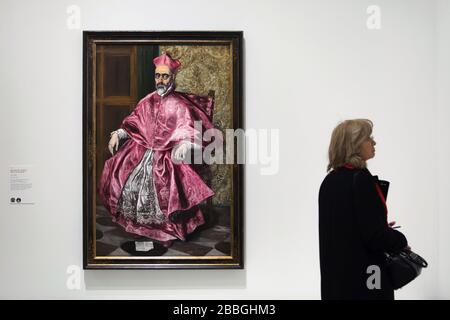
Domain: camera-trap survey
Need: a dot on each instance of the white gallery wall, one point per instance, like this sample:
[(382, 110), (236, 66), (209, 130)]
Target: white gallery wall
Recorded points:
[(308, 65), (443, 145)]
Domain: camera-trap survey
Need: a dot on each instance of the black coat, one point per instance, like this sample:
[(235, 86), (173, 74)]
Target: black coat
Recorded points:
[(354, 234)]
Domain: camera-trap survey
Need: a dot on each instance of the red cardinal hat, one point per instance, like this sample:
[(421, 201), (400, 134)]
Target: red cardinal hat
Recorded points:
[(166, 60)]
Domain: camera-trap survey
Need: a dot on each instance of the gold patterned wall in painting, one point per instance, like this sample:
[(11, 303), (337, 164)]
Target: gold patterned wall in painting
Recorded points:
[(205, 68)]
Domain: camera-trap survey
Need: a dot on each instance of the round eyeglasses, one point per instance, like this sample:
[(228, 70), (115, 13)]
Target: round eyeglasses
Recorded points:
[(165, 76)]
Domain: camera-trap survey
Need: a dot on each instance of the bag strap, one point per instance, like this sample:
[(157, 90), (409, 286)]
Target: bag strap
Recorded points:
[(414, 257)]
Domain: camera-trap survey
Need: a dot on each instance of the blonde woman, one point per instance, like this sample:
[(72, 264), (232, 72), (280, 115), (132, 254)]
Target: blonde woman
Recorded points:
[(353, 228)]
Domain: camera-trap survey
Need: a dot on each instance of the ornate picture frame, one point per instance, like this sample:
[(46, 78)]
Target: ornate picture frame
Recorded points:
[(140, 210)]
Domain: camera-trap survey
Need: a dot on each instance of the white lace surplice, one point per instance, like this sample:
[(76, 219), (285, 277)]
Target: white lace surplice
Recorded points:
[(138, 201)]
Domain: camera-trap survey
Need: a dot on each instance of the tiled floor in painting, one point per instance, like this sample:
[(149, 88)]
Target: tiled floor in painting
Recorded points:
[(211, 239)]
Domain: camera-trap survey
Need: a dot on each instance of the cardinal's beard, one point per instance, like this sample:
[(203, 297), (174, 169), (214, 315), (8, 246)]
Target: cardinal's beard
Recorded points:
[(163, 89)]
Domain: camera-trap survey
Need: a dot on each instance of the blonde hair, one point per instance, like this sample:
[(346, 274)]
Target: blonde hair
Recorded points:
[(346, 141)]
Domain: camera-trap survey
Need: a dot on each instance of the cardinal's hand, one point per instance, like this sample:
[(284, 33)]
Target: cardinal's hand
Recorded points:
[(113, 144), (180, 152)]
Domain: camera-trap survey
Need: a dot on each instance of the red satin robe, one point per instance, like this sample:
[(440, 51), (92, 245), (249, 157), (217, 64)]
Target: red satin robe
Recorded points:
[(160, 123)]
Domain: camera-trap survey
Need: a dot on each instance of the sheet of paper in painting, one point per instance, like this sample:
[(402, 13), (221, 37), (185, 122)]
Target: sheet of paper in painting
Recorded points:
[(144, 245), (21, 184)]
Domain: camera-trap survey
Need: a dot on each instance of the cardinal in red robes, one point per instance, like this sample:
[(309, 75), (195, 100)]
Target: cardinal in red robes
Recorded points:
[(144, 189)]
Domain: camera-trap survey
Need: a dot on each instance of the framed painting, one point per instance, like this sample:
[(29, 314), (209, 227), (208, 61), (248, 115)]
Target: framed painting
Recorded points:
[(162, 179)]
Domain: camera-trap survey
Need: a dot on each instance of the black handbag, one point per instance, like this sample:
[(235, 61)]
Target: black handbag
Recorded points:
[(404, 267)]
